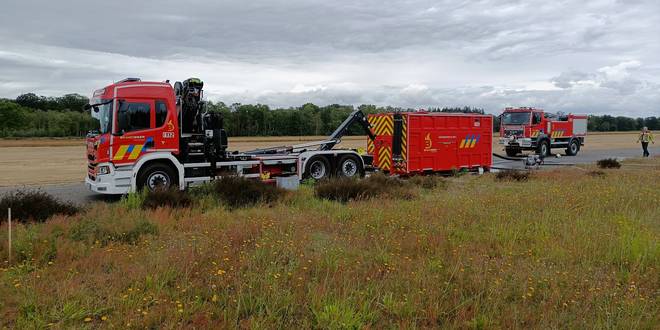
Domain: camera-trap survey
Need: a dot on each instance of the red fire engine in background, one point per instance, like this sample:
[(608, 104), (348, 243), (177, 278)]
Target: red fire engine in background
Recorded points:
[(154, 135), (534, 129)]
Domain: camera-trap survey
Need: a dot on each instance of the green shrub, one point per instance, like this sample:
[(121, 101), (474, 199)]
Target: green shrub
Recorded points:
[(513, 175), (346, 189), (134, 200), (427, 181), (608, 163), (173, 197), (237, 191), (34, 205)]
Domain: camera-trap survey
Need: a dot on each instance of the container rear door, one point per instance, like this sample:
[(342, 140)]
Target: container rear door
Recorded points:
[(383, 126)]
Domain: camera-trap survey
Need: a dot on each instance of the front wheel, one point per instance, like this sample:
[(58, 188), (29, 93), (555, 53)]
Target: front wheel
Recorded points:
[(544, 149), (156, 177), (573, 148), (350, 166)]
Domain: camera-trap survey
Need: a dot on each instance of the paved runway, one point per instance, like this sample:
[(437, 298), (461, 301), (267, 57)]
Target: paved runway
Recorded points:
[(78, 193)]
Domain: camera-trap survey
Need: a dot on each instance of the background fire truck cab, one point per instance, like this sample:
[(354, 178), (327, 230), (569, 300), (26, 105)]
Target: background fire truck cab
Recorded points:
[(537, 130)]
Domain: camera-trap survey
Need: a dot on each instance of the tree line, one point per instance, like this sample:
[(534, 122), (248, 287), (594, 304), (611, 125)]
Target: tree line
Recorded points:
[(30, 115), (27, 116)]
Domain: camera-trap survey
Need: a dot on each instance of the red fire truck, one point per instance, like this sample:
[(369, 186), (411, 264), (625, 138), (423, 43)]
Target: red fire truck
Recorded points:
[(534, 129), (153, 134)]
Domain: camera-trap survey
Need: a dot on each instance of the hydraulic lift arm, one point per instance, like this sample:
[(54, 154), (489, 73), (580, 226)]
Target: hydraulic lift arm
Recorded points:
[(355, 116)]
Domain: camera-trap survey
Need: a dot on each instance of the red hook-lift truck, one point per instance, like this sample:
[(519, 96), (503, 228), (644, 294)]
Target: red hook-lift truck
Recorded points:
[(153, 135)]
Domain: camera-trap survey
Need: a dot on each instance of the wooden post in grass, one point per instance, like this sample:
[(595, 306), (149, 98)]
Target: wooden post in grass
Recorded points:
[(9, 226)]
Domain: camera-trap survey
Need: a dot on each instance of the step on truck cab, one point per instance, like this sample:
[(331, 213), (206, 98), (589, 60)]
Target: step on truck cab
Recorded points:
[(153, 135), (540, 131)]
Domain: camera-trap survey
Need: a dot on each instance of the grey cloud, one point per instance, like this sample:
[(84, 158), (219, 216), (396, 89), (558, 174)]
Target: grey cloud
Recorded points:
[(257, 51), (570, 78)]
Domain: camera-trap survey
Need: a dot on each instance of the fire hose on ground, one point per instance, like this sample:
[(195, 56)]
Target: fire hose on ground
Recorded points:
[(531, 162)]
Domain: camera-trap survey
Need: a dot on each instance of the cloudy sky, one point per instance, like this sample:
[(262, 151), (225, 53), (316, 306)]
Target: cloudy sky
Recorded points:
[(590, 56)]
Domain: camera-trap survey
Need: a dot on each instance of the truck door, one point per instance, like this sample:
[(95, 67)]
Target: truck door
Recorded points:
[(135, 130)]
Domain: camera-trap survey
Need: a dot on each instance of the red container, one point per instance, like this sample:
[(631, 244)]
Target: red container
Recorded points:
[(419, 142)]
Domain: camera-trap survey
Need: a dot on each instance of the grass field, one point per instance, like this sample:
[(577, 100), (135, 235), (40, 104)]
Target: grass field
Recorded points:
[(22, 161), (570, 248)]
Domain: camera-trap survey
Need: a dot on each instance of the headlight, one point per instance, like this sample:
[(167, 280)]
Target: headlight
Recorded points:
[(103, 170)]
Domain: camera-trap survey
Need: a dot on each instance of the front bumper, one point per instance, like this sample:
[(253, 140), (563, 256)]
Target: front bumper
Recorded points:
[(117, 182), (517, 143)]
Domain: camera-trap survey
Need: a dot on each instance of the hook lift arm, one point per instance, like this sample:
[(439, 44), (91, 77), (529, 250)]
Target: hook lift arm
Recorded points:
[(355, 116)]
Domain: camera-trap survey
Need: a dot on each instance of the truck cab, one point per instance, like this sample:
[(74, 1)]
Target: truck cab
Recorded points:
[(154, 135), (540, 131)]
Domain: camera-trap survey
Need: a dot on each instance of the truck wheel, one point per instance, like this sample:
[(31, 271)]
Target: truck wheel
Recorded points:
[(573, 148), (544, 149), (156, 176), (350, 166), (512, 152), (317, 168)]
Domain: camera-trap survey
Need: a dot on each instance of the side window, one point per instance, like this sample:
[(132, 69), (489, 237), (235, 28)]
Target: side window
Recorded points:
[(537, 118), (133, 116), (161, 113)]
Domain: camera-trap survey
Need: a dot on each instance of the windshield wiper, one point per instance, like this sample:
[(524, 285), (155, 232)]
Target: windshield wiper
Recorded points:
[(95, 106)]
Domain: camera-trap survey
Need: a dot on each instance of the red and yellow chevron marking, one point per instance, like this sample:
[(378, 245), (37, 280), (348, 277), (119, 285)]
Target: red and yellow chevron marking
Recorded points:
[(370, 146), (557, 134), (121, 152), (536, 134), (383, 124), (385, 158), (404, 139), (469, 142), (132, 150)]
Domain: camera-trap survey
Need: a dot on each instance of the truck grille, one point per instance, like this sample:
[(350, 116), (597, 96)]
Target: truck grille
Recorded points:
[(513, 132)]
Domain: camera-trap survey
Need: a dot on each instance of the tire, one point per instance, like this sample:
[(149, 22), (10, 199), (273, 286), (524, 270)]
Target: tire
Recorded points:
[(543, 149), (573, 148), (156, 176), (317, 168), (512, 152), (350, 166)]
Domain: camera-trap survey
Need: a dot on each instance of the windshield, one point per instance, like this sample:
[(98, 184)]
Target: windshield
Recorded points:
[(103, 115), (515, 118)]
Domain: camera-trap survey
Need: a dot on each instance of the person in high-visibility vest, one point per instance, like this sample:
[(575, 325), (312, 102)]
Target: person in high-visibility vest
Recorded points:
[(645, 137)]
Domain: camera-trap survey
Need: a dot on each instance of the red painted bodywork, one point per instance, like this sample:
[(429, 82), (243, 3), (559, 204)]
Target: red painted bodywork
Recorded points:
[(434, 142), (550, 126), (108, 147)]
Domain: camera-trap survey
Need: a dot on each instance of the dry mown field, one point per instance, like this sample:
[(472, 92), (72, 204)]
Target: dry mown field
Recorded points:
[(41, 161), (581, 252)]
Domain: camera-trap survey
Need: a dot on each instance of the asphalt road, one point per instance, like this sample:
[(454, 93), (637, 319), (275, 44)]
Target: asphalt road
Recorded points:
[(77, 192)]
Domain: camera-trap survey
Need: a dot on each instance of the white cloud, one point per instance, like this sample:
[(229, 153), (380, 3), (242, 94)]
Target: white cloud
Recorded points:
[(597, 56)]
